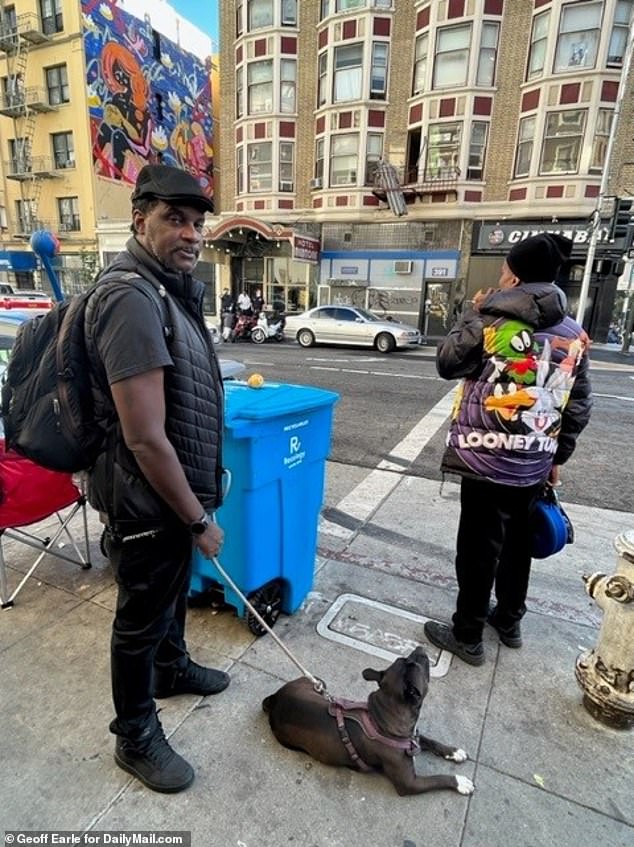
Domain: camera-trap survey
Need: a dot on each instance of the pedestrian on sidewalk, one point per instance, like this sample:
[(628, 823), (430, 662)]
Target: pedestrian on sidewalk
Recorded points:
[(159, 476), (523, 400)]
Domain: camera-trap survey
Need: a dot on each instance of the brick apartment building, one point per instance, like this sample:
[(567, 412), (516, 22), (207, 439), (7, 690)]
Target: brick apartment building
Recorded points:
[(412, 142)]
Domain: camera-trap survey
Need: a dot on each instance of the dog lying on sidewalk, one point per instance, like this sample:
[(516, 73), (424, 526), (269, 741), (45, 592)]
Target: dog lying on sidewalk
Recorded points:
[(377, 735)]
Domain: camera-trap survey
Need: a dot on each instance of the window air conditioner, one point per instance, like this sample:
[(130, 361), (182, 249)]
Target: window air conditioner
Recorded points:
[(317, 182), (402, 266), (286, 185)]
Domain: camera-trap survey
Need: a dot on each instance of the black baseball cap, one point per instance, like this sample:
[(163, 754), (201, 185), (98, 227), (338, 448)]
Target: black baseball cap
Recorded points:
[(172, 185)]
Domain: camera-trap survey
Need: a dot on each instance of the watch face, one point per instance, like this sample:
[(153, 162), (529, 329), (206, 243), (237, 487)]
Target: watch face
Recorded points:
[(198, 527)]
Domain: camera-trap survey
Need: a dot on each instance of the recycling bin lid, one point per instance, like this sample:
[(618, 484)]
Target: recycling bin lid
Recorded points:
[(272, 400)]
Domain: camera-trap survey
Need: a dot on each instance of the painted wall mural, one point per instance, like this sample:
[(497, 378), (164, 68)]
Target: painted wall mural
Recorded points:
[(149, 101)]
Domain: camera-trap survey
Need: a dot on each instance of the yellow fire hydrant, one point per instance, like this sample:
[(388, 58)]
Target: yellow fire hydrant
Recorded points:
[(606, 674)]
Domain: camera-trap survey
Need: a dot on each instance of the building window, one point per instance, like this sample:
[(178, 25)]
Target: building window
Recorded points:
[(260, 87), (289, 12), (452, 56), (373, 154), (57, 85), (8, 19), (443, 150), (63, 150), (345, 5), (539, 42), (563, 137), (25, 215), (260, 13), (344, 155), (52, 18), (322, 84), (288, 73), (239, 170), (525, 140), (20, 156), (420, 63), (618, 39), (578, 36), (68, 212), (287, 166), (348, 73), (319, 159), (324, 9), (378, 71), (239, 92), (488, 54), (13, 90), (477, 150), (260, 166), (239, 18), (600, 139)]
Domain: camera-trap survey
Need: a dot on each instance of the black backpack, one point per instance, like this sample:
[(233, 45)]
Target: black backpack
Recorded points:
[(47, 395)]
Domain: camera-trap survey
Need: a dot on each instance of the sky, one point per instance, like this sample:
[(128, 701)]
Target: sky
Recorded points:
[(202, 13)]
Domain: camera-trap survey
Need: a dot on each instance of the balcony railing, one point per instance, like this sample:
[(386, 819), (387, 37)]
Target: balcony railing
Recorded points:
[(25, 227), (16, 103), (29, 167), (27, 28)]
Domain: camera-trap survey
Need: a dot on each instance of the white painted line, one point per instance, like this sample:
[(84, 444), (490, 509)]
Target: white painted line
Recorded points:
[(418, 438), (376, 373), (399, 646), (614, 396)]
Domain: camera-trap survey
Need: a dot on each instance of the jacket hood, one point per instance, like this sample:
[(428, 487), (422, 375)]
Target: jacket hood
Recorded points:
[(539, 304)]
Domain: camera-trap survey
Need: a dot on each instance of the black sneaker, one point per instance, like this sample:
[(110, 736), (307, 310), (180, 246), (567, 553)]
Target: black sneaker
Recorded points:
[(509, 635), (441, 635), (152, 761), (194, 679)]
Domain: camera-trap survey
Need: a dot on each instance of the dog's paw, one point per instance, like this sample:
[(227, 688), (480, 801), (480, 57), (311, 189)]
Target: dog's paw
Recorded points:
[(464, 785), (457, 755)]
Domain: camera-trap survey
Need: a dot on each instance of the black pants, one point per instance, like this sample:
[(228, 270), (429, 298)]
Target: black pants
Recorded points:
[(153, 575), (492, 551)]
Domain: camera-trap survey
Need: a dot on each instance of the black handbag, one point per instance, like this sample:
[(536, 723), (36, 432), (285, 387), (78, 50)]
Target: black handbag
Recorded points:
[(551, 528)]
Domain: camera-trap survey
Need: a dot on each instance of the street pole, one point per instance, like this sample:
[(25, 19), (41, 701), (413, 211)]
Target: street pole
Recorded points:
[(605, 177)]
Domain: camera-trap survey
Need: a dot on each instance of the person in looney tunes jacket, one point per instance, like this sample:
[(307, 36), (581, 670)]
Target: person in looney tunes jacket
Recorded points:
[(524, 398)]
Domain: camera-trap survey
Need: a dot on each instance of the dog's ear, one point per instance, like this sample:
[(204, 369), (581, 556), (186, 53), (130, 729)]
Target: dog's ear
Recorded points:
[(372, 675)]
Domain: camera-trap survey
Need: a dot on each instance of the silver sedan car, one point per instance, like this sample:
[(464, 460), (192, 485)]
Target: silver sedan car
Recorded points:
[(349, 325)]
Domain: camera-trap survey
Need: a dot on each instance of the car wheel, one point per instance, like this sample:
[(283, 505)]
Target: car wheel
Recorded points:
[(257, 335), (385, 342), (305, 338)]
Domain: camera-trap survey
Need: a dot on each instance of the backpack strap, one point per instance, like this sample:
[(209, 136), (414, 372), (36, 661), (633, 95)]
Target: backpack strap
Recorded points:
[(150, 286)]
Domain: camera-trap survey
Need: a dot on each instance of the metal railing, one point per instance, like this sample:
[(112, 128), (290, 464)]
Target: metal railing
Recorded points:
[(422, 181), (27, 167)]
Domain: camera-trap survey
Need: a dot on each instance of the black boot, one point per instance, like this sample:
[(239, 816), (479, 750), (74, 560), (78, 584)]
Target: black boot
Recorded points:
[(150, 759), (193, 679)]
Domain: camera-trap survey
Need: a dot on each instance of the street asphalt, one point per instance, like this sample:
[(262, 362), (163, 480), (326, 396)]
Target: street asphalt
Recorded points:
[(545, 771)]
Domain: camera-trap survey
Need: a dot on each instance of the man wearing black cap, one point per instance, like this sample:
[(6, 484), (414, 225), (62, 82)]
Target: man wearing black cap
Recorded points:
[(158, 384), (523, 400)]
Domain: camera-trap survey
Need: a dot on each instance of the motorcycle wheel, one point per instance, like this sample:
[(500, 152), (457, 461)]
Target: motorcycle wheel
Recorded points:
[(257, 335)]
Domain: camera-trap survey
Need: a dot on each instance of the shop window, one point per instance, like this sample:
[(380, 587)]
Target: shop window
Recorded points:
[(260, 14), (451, 63), (488, 54), (620, 30), (260, 167), (477, 150), (348, 74), (525, 141), (563, 136), (539, 42), (600, 139), (443, 150), (420, 63), (578, 38), (344, 156), (260, 87)]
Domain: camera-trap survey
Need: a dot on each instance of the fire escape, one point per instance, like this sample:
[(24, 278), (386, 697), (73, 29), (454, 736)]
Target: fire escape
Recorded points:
[(22, 103)]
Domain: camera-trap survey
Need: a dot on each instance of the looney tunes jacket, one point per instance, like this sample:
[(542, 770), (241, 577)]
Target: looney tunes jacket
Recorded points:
[(525, 394)]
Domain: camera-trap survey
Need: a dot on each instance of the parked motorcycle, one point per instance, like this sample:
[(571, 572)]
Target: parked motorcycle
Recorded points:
[(268, 328), (243, 326)]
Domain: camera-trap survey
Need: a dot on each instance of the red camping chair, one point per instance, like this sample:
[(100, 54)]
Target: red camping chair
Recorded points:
[(29, 494)]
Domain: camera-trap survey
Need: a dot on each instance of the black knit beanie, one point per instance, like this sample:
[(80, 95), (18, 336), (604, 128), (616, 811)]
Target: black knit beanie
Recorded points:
[(539, 258)]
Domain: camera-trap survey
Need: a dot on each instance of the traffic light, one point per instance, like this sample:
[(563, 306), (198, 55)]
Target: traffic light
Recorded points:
[(623, 220)]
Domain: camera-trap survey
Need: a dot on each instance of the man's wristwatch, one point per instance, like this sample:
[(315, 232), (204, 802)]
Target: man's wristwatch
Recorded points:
[(198, 527)]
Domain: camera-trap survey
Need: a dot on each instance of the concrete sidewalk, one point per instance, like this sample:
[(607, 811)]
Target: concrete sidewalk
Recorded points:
[(545, 772)]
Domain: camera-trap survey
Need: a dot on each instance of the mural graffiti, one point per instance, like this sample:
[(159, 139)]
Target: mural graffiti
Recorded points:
[(149, 100)]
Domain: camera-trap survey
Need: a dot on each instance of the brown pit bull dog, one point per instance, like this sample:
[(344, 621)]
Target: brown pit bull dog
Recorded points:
[(379, 734)]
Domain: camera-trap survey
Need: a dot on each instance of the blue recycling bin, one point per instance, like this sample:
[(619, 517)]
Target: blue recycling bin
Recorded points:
[(276, 442)]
